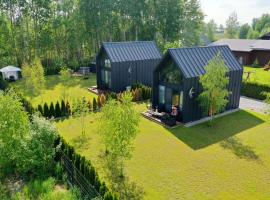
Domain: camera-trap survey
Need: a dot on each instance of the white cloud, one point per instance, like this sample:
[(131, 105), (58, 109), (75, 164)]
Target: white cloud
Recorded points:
[(219, 10)]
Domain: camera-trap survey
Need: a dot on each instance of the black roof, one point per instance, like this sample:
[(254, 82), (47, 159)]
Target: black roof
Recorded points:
[(131, 51), (192, 61)]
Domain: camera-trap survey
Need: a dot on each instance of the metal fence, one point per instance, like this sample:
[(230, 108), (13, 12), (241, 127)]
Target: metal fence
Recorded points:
[(76, 178)]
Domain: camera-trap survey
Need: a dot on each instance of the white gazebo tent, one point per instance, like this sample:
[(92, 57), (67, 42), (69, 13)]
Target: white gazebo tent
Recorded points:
[(10, 72)]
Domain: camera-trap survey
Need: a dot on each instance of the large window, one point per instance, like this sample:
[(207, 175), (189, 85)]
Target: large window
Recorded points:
[(177, 99), (106, 78), (107, 63), (181, 100), (161, 94), (170, 74)]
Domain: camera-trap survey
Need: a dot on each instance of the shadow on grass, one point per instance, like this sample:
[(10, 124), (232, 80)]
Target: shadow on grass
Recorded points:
[(122, 185), (202, 135), (239, 149)]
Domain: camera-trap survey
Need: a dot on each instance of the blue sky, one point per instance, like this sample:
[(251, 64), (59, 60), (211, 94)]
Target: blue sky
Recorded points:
[(219, 10)]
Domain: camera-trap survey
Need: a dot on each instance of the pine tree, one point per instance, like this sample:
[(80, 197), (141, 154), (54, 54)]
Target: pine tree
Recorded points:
[(46, 111), (63, 109), (52, 110), (94, 104), (68, 109), (40, 109), (57, 110)]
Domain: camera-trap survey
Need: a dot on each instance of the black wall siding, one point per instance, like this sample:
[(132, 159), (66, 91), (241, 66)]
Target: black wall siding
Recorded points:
[(141, 57), (191, 63)]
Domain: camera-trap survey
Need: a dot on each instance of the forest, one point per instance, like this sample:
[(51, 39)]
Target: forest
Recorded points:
[(70, 32)]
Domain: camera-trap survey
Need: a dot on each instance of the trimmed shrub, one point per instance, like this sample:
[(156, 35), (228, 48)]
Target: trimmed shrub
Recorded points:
[(86, 168), (63, 109), (40, 109), (256, 63), (46, 111), (94, 104), (52, 110), (57, 110), (254, 90)]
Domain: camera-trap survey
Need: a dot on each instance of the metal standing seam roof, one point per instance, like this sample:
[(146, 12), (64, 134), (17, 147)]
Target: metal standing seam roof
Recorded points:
[(244, 45), (131, 51), (192, 61)]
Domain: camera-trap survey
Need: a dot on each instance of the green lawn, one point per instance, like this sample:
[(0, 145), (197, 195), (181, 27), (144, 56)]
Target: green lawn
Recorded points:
[(54, 90), (258, 75), (228, 161)]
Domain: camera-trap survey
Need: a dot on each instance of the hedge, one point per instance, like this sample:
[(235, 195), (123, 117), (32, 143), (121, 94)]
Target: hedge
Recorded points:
[(86, 168), (254, 90)]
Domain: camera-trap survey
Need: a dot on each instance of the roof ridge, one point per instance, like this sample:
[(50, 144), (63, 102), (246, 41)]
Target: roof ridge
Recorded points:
[(119, 42), (198, 47)]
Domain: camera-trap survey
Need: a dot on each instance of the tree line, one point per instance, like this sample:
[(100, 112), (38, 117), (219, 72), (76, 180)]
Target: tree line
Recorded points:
[(69, 33), (233, 29)]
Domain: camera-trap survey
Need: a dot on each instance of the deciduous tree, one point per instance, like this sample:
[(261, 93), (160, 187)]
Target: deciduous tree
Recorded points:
[(80, 110), (14, 129), (232, 26), (118, 128), (214, 82)]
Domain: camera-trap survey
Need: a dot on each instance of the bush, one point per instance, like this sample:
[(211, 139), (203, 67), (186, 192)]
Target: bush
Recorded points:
[(89, 105), (37, 157), (52, 110), (140, 92), (94, 104), (40, 109), (254, 90), (57, 110), (256, 63), (63, 109), (46, 111)]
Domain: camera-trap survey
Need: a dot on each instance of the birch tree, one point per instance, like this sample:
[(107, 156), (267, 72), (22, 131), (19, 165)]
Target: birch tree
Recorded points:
[(214, 82)]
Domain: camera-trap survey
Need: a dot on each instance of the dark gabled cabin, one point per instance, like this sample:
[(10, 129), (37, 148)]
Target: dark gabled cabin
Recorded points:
[(122, 64), (176, 80), (247, 51)]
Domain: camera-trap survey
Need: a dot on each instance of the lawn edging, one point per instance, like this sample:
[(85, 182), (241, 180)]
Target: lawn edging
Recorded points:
[(206, 119)]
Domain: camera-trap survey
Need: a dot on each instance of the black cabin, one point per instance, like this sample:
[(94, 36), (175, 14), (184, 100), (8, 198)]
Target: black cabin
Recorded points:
[(176, 80), (122, 64)]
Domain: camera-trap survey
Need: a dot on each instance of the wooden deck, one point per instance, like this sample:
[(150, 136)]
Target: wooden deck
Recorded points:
[(148, 116)]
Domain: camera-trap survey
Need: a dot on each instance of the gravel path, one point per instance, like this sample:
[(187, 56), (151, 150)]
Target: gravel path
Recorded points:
[(254, 105)]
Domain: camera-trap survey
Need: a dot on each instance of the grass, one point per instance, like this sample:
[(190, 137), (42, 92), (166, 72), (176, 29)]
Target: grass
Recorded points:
[(259, 75), (55, 88), (38, 189), (228, 161)]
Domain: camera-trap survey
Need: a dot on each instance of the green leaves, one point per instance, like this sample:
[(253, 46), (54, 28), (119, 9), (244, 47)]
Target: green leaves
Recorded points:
[(33, 75), (119, 127), (213, 99)]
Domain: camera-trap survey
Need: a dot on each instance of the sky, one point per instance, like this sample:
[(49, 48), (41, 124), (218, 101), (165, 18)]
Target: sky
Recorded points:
[(246, 10)]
